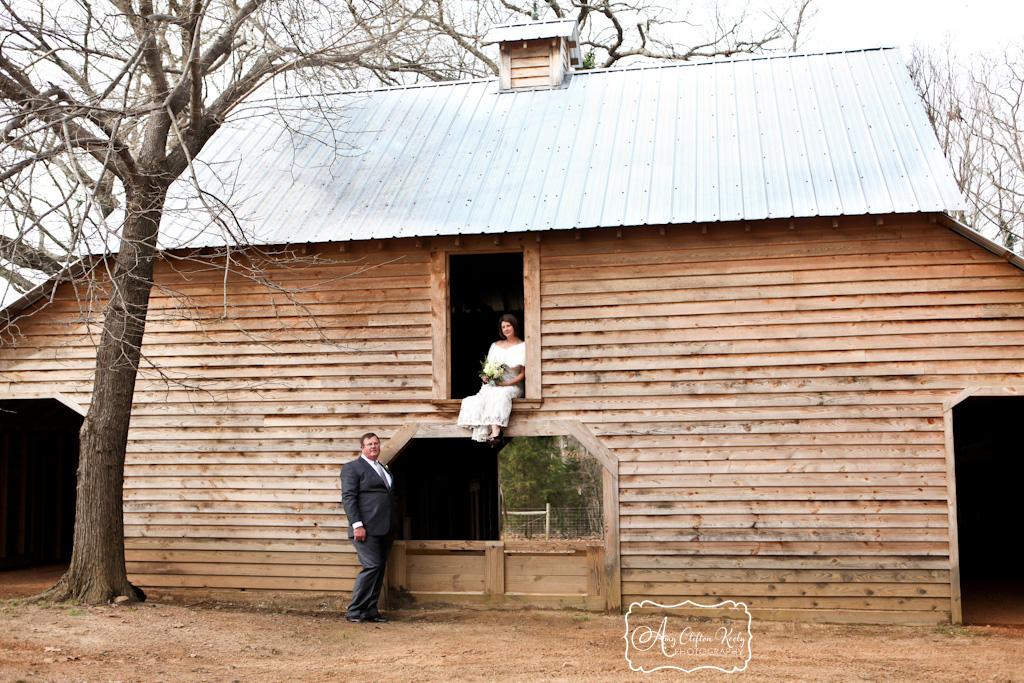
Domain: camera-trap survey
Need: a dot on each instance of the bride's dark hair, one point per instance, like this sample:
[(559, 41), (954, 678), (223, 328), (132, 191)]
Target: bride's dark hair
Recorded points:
[(511, 320)]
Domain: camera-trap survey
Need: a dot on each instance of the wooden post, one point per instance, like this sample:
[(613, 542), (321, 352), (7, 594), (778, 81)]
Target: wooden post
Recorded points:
[(398, 567), (611, 541), (531, 313), (955, 602), (494, 577), (439, 325), (595, 571), (547, 520)]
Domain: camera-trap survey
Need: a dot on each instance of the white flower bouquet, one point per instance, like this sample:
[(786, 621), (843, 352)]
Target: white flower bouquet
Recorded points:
[(492, 370)]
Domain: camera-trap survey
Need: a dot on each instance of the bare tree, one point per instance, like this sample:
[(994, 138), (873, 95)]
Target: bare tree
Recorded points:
[(114, 101), (105, 103), (613, 32), (977, 111)]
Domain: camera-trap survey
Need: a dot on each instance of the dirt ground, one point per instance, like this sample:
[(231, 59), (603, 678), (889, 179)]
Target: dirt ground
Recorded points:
[(159, 642)]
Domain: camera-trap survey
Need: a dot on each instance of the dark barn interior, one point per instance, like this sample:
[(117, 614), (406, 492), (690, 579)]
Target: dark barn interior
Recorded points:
[(989, 470), (448, 490), (482, 288), (38, 465)]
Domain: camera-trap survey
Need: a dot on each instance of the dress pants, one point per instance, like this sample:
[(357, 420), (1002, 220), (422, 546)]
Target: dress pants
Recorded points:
[(373, 555)]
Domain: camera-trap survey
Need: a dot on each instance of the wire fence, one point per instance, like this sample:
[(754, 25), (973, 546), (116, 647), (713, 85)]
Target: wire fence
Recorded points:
[(551, 522)]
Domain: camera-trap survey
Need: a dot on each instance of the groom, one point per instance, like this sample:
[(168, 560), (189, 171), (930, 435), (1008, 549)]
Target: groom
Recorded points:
[(369, 500)]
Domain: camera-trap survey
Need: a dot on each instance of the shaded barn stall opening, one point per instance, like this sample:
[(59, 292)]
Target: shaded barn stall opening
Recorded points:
[(989, 460), (452, 550), (448, 490), (38, 466), (482, 287)]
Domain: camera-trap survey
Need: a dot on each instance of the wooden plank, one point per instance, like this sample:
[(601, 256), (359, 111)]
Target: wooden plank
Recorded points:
[(534, 584), (521, 71), (830, 616), (440, 325), (348, 572), (247, 582), (956, 599), (239, 545), (494, 581), (791, 589), (674, 262), (709, 508), (785, 535), (398, 567), (775, 520), (927, 604), (505, 70), (520, 62), (242, 557), (767, 493), (397, 442), (612, 560), (773, 466), (596, 575), (571, 309), (845, 563), (546, 565), (532, 323), (824, 548), (510, 600), (820, 577)]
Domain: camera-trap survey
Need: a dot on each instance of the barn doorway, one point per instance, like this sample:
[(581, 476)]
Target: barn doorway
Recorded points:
[(38, 466), (989, 476), (448, 490), (482, 288), (456, 489), (454, 547)]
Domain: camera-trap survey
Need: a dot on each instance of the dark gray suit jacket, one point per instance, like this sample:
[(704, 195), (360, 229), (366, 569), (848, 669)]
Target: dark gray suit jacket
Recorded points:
[(367, 499)]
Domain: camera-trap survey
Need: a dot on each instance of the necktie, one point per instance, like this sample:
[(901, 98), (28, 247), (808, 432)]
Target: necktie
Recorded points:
[(380, 471)]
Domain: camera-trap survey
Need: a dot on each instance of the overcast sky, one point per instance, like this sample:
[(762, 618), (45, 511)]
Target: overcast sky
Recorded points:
[(972, 26)]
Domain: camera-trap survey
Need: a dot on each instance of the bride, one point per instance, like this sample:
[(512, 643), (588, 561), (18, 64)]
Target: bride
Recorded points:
[(487, 411)]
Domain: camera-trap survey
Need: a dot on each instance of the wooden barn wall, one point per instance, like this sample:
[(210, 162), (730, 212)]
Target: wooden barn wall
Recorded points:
[(774, 397)]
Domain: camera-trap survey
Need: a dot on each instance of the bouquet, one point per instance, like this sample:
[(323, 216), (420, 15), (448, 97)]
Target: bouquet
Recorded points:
[(492, 370)]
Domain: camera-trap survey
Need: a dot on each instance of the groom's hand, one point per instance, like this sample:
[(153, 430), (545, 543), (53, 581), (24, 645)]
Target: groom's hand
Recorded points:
[(359, 534)]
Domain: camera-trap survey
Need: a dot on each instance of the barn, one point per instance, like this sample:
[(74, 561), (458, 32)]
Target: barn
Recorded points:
[(742, 293)]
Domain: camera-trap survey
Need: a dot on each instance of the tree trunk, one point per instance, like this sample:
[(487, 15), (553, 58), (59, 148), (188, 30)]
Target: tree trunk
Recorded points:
[(97, 573)]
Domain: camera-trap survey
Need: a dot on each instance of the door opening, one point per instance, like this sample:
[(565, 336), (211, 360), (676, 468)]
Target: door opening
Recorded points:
[(38, 467), (483, 287), (989, 472)]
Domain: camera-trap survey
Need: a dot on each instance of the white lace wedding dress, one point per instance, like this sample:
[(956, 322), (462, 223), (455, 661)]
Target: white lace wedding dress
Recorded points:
[(493, 404)]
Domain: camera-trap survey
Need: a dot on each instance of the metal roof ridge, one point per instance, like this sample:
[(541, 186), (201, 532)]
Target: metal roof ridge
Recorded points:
[(577, 73)]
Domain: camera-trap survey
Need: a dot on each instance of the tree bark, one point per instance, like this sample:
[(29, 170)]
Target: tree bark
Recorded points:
[(97, 572)]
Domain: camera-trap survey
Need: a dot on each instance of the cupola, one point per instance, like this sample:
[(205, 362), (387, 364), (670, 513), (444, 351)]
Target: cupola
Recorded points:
[(535, 54)]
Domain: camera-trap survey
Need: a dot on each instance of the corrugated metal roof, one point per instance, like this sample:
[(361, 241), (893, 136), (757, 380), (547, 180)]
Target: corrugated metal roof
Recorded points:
[(531, 30), (771, 137)]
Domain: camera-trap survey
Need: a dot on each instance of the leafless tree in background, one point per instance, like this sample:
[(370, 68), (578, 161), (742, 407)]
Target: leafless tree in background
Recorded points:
[(613, 32), (977, 111), (111, 102), (105, 103)]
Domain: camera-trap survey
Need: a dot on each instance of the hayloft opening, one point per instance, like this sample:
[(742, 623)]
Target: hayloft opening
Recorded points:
[(989, 471), (482, 288), (38, 466)]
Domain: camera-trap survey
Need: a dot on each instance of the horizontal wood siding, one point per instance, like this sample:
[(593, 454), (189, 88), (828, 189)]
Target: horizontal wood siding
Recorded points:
[(773, 397)]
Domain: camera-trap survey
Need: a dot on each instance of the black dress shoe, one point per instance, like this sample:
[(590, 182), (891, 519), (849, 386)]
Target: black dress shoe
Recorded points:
[(355, 620), (375, 620)]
